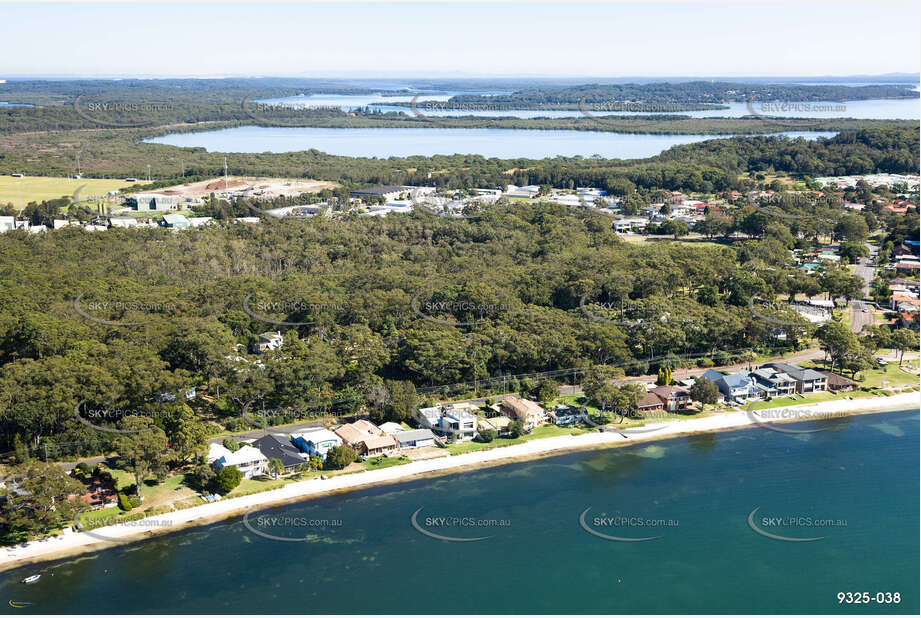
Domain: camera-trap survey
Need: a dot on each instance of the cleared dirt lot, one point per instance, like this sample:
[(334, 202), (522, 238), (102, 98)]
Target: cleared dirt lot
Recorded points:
[(250, 187)]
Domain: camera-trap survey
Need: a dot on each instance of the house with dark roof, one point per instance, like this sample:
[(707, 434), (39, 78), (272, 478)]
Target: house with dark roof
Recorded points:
[(274, 446), (738, 387), (773, 382), (807, 380)]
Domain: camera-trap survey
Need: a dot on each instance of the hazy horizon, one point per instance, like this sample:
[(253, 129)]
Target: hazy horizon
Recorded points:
[(407, 40)]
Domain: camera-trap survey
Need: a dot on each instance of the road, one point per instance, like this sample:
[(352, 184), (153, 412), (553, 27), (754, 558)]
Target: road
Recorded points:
[(678, 374), (866, 270)]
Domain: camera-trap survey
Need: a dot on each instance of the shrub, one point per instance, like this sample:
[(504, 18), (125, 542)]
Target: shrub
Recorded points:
[(84, 469), (339, 457), (134, 500), (516, 429), (705, 362), (123, 502), (231, 445), (487, 435), (226, 480)]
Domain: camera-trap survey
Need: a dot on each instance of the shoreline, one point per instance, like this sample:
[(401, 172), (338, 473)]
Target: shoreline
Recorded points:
[(75, 543)]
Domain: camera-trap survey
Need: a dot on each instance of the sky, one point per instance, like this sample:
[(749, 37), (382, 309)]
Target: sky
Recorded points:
[(616, 39)]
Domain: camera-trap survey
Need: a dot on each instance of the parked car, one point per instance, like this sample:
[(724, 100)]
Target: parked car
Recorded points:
[(882, 361)]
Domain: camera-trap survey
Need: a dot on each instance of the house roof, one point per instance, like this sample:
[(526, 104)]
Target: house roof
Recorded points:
[(523, 407), (405, 437), (837, 380), (367, 427), (245, 454), (373, 442), (669, 392), (796, 372), (274, 446), (649, 401), (351, 434), (392, 428), (316, 436)]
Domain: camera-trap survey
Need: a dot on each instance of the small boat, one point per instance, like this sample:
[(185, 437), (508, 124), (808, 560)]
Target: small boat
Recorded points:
[(31, 579)]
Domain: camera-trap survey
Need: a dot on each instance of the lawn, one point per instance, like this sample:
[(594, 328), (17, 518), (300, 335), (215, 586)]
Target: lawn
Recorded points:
[(21, 191), (377, 463), (544, 431)]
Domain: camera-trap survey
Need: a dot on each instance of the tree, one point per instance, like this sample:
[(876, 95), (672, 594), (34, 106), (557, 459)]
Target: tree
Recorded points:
[(40, 501), (664, 377), (516, 429), (275, 467), (143, 451), (837, 341), (904, 340), (188, 436), (705, 391), (403, 399), (547, 390), (226, 480), (315, 462), (338, 457), (487, 435), (231, 445)]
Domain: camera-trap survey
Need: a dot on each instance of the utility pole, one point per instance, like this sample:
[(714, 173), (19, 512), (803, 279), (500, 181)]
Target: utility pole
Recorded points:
[(148, 173), (225, 174)]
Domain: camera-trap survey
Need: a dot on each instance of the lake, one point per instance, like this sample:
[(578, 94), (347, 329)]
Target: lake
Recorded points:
[(398, 142), (853, 485)]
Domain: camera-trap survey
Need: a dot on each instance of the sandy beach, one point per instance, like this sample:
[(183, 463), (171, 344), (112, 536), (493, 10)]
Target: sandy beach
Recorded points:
[(71, 542)]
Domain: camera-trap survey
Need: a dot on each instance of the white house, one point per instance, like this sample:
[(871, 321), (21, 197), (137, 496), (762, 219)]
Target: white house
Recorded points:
[(268, 341), (448, 420), (7, 223), (247, 459)]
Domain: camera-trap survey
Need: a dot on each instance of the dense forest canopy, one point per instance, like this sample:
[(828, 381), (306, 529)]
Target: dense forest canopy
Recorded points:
[(409, 297), (685, 93)]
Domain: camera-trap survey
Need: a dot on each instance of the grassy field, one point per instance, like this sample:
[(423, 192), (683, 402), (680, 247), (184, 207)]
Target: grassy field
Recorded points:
[(21, 191)]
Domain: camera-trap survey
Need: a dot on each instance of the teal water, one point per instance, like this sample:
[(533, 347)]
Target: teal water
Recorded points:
[(368, 558)]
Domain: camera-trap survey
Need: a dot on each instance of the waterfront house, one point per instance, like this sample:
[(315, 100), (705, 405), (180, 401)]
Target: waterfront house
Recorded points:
[(837, 383), (415, 438), (247, 459), (807, 380), (673, 397), (773, 383), (498, 423), (524, 410), (274, 446), (736, 387), (316, 441), (565, 414), (452, 420), (367, 438), (650, 403)]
